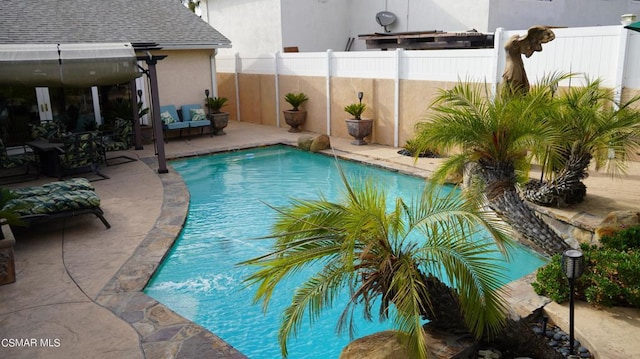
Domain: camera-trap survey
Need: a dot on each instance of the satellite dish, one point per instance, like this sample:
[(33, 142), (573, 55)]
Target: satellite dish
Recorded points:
[(385, 18)]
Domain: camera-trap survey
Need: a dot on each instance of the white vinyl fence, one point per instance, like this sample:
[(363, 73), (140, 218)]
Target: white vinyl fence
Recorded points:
[(610, 53)]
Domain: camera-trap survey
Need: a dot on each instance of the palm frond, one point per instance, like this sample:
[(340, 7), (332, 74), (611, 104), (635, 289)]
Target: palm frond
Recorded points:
[(381, 255)]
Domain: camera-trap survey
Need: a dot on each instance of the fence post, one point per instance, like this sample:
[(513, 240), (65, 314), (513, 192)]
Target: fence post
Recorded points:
[(236, 73), (396, 98), (328, 90), (276, 72), (498, 64), (622, 57)]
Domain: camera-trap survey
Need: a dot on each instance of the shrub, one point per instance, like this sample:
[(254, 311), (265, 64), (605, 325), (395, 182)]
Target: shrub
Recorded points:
[(623, 240), (415, 148), (355, 110), (295, 99), (551, 281), (611, 277), (216, 103)]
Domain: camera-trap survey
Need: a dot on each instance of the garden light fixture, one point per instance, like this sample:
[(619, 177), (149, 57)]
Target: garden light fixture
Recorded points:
[(572, 266), (206, 93)]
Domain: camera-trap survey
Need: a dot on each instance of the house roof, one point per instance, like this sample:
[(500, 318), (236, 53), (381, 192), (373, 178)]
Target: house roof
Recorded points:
[(165, 22)]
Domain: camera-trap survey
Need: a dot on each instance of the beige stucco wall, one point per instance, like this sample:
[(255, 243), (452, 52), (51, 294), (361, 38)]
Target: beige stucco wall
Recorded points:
[(378, 96), (257, 102), (628, 94), (257, 99), (183, 76), (415, 99), (227, 88), (316, 106)]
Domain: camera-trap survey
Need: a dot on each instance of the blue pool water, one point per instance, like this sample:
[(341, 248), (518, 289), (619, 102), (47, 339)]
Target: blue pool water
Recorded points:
[(199, 278)]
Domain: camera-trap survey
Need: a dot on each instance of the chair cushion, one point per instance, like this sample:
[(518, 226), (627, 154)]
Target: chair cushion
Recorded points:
[(200, 123), (172, 111), (54, 202), (176, 125), (115, 145), (71, 184), (80, 149), (197, 114), (186, 111), (167, 118)]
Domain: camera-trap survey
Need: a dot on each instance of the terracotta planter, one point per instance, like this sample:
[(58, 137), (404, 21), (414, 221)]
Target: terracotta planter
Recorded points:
[(219, 121), (359, 129), (7, 264), (294, 119)]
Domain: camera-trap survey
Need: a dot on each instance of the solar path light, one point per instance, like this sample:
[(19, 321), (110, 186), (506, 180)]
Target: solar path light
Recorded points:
[(572, 266)]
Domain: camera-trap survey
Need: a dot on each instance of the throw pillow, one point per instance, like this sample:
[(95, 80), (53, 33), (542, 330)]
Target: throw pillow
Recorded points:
[(197, 114), (167, 118)]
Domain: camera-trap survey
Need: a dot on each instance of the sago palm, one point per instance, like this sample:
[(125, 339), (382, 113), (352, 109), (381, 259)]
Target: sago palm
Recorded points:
[(593, 127), (497, 137), (396, 258)]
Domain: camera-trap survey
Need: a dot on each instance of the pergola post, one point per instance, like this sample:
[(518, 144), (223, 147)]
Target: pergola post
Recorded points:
[(151, 61), (135, 115)]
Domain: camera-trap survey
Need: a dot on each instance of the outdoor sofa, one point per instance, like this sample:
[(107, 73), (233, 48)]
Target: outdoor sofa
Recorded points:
[(191, 116)]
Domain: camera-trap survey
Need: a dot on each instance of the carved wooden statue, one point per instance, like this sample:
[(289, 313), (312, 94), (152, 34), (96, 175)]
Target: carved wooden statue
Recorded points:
[(514, 74)]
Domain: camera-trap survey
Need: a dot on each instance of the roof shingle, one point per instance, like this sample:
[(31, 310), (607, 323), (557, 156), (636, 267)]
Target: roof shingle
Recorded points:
[(165, 22)]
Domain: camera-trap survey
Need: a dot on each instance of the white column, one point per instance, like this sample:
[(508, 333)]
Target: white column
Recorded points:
[(396, 99), (328, 90), (214, 79), (622, 57), (237, 81), (276, 73), (498, 60), (96, 105)]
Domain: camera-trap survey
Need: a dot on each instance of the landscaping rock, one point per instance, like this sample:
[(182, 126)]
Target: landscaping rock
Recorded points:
[(385, 345), (616, 221), (322, 142), (304, 142)]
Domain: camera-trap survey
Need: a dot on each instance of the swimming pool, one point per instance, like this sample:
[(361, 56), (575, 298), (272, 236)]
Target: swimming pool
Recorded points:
[(199, 278)]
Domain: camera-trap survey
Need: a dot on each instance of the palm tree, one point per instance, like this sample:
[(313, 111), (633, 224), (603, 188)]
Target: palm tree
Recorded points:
[(498, 136), (593, 126), (402, 256)]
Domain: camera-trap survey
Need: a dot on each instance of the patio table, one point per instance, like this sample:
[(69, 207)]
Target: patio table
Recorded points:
[(47, 155)]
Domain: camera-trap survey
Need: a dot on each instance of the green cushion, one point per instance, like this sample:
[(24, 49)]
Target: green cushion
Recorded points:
[(167, 118), (71, 184), (197, 114), (54, 202)]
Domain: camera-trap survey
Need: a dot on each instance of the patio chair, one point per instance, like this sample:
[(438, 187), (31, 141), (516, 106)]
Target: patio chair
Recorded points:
[(18, 163), (80, 153), (171, 121), (195, 116), (55, 200), (48, 130), (117, 140)]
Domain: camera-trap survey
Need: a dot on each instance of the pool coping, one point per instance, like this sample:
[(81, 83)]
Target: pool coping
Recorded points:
[(164, 333)]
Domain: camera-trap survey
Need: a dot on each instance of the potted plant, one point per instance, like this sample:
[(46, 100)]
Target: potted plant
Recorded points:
[(295, 117), (219, 120), (357, 126)]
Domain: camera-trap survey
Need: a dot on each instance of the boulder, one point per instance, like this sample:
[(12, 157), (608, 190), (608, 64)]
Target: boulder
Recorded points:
[(381, 345), (304, 142), (320, 143), (385, 345), (616, 221)]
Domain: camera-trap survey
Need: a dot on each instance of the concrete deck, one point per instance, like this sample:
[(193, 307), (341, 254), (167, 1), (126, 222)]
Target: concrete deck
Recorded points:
[(78, 289)]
